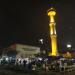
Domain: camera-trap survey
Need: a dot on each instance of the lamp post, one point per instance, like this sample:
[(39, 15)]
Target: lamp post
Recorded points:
[(68, 54), (42, 46), (41, 43)]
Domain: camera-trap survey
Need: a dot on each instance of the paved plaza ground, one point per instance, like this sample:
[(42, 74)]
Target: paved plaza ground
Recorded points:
[(8, 71)]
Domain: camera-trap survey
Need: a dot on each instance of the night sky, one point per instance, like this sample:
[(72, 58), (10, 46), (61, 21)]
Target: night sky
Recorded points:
[(26, 21)]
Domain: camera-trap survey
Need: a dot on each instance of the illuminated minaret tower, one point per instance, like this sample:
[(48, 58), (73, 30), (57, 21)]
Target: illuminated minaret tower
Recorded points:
[(51, 13)]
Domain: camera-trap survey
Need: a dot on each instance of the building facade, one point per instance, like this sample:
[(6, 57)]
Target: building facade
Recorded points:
[(21, 51)]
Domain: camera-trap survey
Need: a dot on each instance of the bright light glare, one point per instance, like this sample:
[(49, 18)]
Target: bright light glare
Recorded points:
[(40, 59), (7, 59), (68, 45), (41, 40)]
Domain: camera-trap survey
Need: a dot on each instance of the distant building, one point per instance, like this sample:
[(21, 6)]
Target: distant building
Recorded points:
[(21, 50), (67, 53)]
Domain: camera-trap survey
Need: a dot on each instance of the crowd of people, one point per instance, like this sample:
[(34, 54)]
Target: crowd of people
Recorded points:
[(32, 63), (37, 63)]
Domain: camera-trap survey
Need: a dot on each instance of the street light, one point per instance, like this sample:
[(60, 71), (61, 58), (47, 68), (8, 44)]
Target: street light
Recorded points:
[(69, 46), (41, 41), (42, 45)]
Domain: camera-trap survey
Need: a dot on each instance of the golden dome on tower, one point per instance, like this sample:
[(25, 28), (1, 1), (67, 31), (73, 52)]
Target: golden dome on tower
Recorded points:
[(51, 12)]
